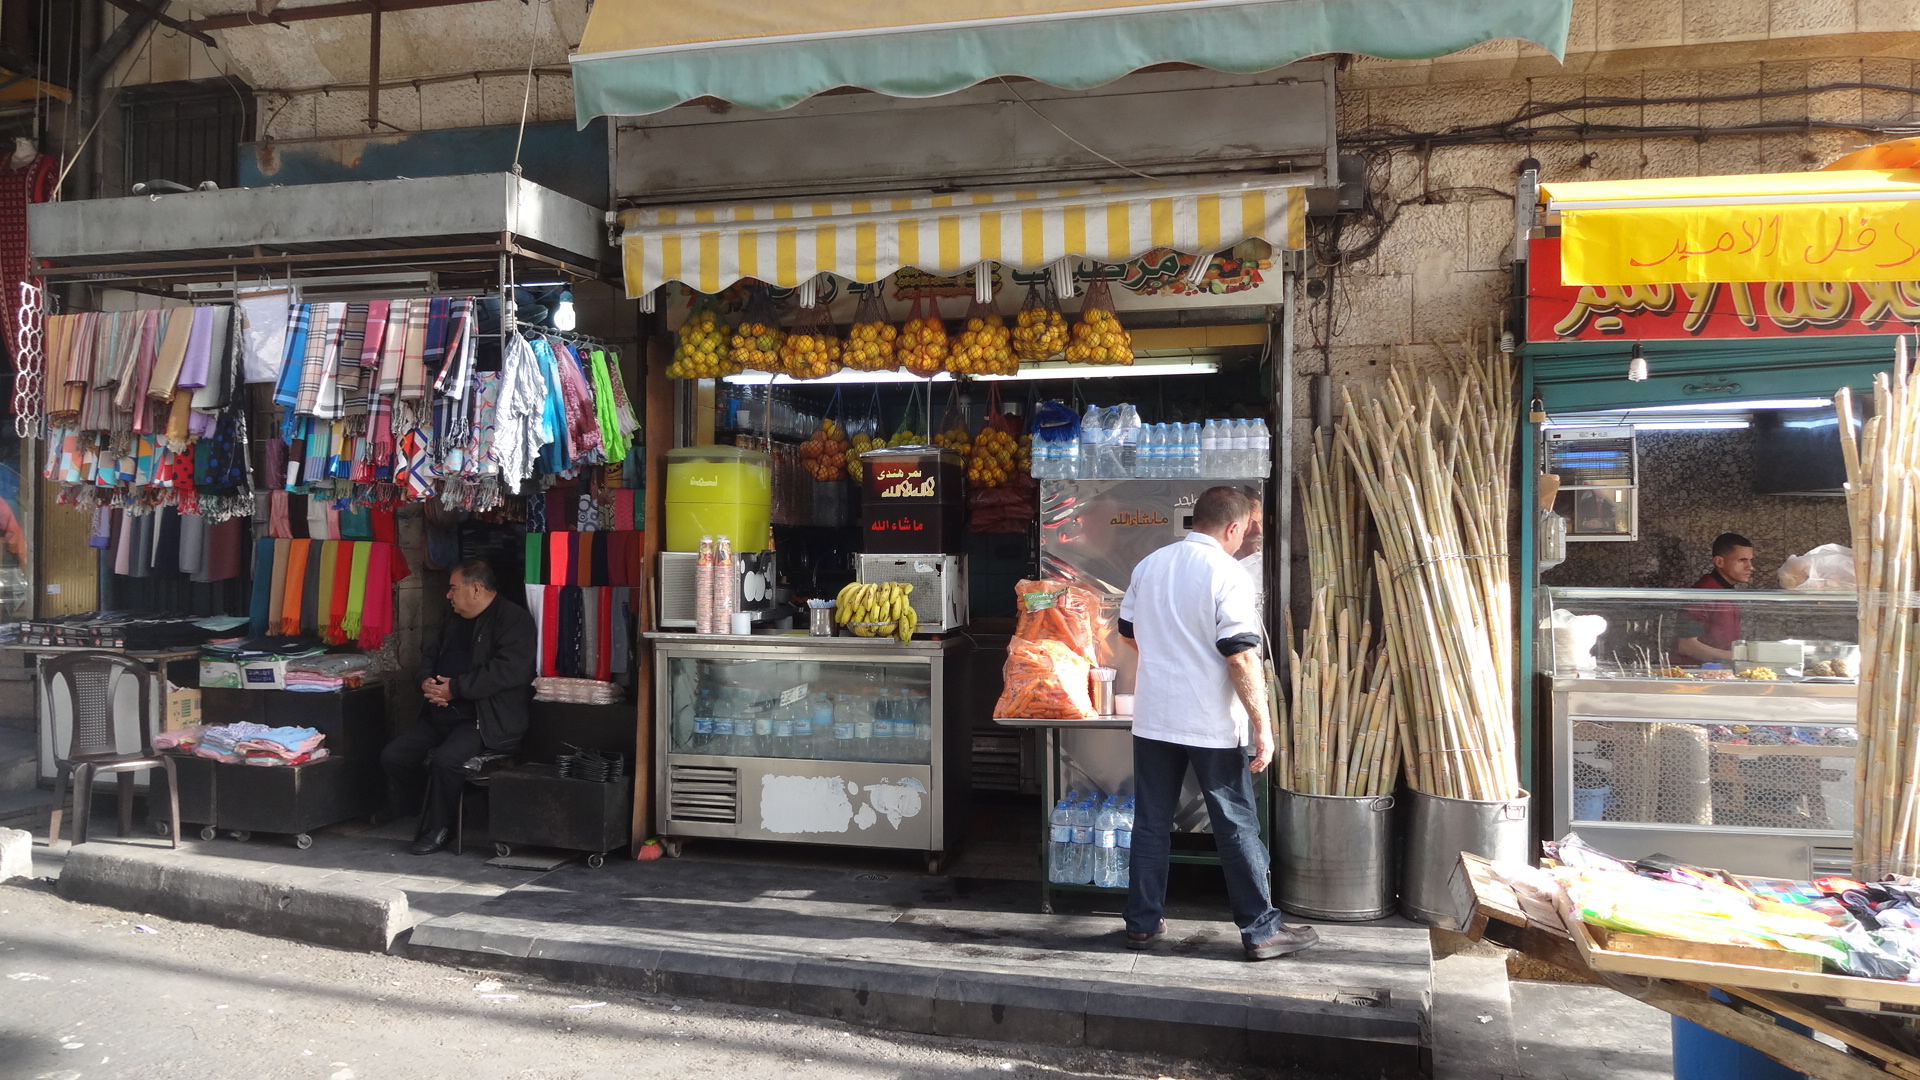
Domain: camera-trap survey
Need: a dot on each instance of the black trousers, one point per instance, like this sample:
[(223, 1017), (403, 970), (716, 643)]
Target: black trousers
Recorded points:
[(432, 749)]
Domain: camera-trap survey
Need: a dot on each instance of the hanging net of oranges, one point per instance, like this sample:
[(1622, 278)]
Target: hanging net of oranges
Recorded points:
[(870, 341), (984, 345), (922, 346), (701, 349), (824, 454), (757, 340), (812, 348), (1039, 330), (1098, 337)]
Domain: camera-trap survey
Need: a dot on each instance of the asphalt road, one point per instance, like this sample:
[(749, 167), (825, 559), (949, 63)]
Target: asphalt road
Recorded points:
[(90, 993)]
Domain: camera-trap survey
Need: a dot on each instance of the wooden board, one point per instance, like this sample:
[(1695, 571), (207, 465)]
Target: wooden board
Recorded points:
[(1897, 1059), (1617, 941)]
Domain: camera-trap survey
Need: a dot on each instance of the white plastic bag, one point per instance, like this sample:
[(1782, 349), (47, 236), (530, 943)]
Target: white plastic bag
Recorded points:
[(1827, 567)]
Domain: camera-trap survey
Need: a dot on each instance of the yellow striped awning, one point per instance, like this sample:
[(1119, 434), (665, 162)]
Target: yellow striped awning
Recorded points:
[(709, 248)]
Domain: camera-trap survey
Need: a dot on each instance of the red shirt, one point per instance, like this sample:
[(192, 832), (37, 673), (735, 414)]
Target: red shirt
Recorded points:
[(1715, 624)]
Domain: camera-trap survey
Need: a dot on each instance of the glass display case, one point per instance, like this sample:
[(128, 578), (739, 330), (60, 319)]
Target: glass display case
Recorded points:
[(814, 740), (1743, 763)]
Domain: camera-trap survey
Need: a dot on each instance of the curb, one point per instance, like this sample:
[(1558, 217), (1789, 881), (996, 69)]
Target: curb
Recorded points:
[(264, 902), (1355, 1033)]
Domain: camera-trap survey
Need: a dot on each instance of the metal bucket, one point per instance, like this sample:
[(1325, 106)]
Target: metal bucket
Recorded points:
[(1335, 855), (1438, 830)]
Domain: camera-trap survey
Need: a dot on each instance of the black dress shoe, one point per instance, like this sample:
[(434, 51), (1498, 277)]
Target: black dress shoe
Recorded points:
[(1285, 941), (1142, 941), (431, 842)]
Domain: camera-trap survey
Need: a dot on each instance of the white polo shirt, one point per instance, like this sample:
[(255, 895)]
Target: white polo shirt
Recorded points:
[(1185, 599)]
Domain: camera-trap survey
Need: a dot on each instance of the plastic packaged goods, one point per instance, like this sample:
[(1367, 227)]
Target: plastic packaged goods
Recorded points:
[(1261, 445), (1082, 819), (1117, 441), (722, 585), (1092, 434), (871, 338), (1039, 331), (1054, 649), (1237, 459), (1060, 841), (703, 588)]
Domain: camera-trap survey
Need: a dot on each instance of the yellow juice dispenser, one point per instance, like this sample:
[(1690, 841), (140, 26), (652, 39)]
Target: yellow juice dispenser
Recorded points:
[(718, 491)]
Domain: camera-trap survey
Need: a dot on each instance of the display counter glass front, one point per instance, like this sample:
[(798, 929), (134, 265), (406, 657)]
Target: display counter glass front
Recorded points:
[(815, 740), (1744, 764)]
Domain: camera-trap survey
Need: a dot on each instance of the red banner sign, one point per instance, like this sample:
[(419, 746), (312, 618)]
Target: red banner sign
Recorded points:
[(1753, 309)]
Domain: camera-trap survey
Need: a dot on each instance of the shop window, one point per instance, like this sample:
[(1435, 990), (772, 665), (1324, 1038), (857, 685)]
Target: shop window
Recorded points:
[(188, 133)]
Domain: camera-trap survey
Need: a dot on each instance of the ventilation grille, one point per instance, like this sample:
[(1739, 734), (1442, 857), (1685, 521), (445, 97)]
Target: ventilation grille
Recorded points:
[(1832, 860), (679, 573), (708, 793), (939, 597)]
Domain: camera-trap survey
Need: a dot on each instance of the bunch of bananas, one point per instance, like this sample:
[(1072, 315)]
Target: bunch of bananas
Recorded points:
[(870, 346), (1039, 333), (1098, 338), (877, 610), (700, 349), (756, 345), (955, 439), (922, 347), (810, 355), (862, 443), (825, 454), (992, 461), (982, 349)]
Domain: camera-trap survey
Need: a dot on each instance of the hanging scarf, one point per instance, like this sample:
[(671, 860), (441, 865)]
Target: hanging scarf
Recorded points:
[(536, 570), (295, 585), (262, 586), (395, 347), (286, 392), (176, 328), (276, 607), (329, 558), (319, 377), (335, 620), (350, 622), (311, 602), (550, 632), (603, 655), (613, 441)]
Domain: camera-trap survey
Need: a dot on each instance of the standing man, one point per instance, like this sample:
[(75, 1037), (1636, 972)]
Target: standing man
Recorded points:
[(476, 685), (1707, 631), (1191, 613)]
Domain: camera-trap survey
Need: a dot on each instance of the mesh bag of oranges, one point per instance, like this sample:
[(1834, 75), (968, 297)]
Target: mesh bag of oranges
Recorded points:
[(870, 341), (953, 434), (812, 348), (864, 432), (824, 454), (757, 340), (922, 346), (701, 347), (1039, 331), (1098, 337), (984, 345)]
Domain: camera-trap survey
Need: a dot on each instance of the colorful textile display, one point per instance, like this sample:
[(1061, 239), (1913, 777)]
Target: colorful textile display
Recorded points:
[(339, 590), (586, 632)]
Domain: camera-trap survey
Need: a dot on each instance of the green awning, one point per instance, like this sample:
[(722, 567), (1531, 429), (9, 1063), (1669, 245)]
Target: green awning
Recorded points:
[(642, 56)]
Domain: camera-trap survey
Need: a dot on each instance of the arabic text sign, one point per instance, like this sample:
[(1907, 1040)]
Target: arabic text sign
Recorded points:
[(1836, 241), (1751, 309)]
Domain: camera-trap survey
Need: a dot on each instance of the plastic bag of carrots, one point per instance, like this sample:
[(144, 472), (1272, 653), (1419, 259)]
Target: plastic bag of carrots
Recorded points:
[(1055, 647)]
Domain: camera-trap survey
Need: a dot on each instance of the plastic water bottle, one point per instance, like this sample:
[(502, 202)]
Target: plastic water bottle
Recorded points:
[(1143, 453), (1082, 821), (883, 719), (1090, 425), (1164, 450), (1190, 450), (782, 746), (1104, 821), (720, 724), (1060, 841), (1123, 845), (1210, 449), (843, 707), (1260, 442), (1126, 441)]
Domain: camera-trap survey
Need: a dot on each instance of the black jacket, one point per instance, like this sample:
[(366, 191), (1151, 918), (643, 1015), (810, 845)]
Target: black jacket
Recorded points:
[(505, 649)]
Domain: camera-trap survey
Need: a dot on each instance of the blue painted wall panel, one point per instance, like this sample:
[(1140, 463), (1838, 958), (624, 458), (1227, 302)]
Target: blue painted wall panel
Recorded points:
[(572, 162)]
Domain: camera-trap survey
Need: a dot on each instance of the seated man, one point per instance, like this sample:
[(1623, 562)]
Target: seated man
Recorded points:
[(477, 683)]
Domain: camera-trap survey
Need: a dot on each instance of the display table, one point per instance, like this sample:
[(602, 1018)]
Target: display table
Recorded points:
[(293, 800), (1058, 760)]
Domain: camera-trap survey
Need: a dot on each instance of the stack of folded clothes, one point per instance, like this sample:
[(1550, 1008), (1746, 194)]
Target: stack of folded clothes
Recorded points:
[(327, 674), (184, 739), (257, 744)]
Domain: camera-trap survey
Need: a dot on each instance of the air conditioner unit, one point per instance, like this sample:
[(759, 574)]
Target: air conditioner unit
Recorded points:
[(1599, 470)]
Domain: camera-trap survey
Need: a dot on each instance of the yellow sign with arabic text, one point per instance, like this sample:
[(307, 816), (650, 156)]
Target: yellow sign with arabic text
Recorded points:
[(1867, 241)]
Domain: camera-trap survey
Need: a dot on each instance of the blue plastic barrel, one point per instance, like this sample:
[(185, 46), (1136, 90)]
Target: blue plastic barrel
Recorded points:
[(1699, 1054)]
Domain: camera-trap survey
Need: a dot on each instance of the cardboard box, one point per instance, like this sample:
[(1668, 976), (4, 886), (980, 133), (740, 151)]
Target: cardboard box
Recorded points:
[(264, 675), (182, 708), (220, 674)]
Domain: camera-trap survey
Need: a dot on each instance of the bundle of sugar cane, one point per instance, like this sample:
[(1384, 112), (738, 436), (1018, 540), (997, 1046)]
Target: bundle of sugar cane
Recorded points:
[(1341, 737), (1883, 508), (1435, 461)]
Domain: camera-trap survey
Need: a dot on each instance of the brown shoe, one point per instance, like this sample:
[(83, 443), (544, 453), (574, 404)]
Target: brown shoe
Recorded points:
[(1142, 941), (1284, 942)]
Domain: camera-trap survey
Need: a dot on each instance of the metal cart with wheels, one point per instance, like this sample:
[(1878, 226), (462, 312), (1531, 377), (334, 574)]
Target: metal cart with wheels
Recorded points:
[(286, 800), (534, 806)]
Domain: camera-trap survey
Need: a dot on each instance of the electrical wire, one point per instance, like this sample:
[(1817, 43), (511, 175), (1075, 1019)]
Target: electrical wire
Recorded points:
[(1069, 137)]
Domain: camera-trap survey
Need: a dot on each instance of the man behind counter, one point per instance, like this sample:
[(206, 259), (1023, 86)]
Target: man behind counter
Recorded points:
[(1708, 631)]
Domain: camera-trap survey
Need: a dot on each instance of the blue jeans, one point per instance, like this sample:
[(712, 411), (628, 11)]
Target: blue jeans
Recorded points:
[(1159, 768)]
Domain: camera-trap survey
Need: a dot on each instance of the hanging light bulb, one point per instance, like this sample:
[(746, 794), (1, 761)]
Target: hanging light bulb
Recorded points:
[(1637, 367), (563, 311)]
